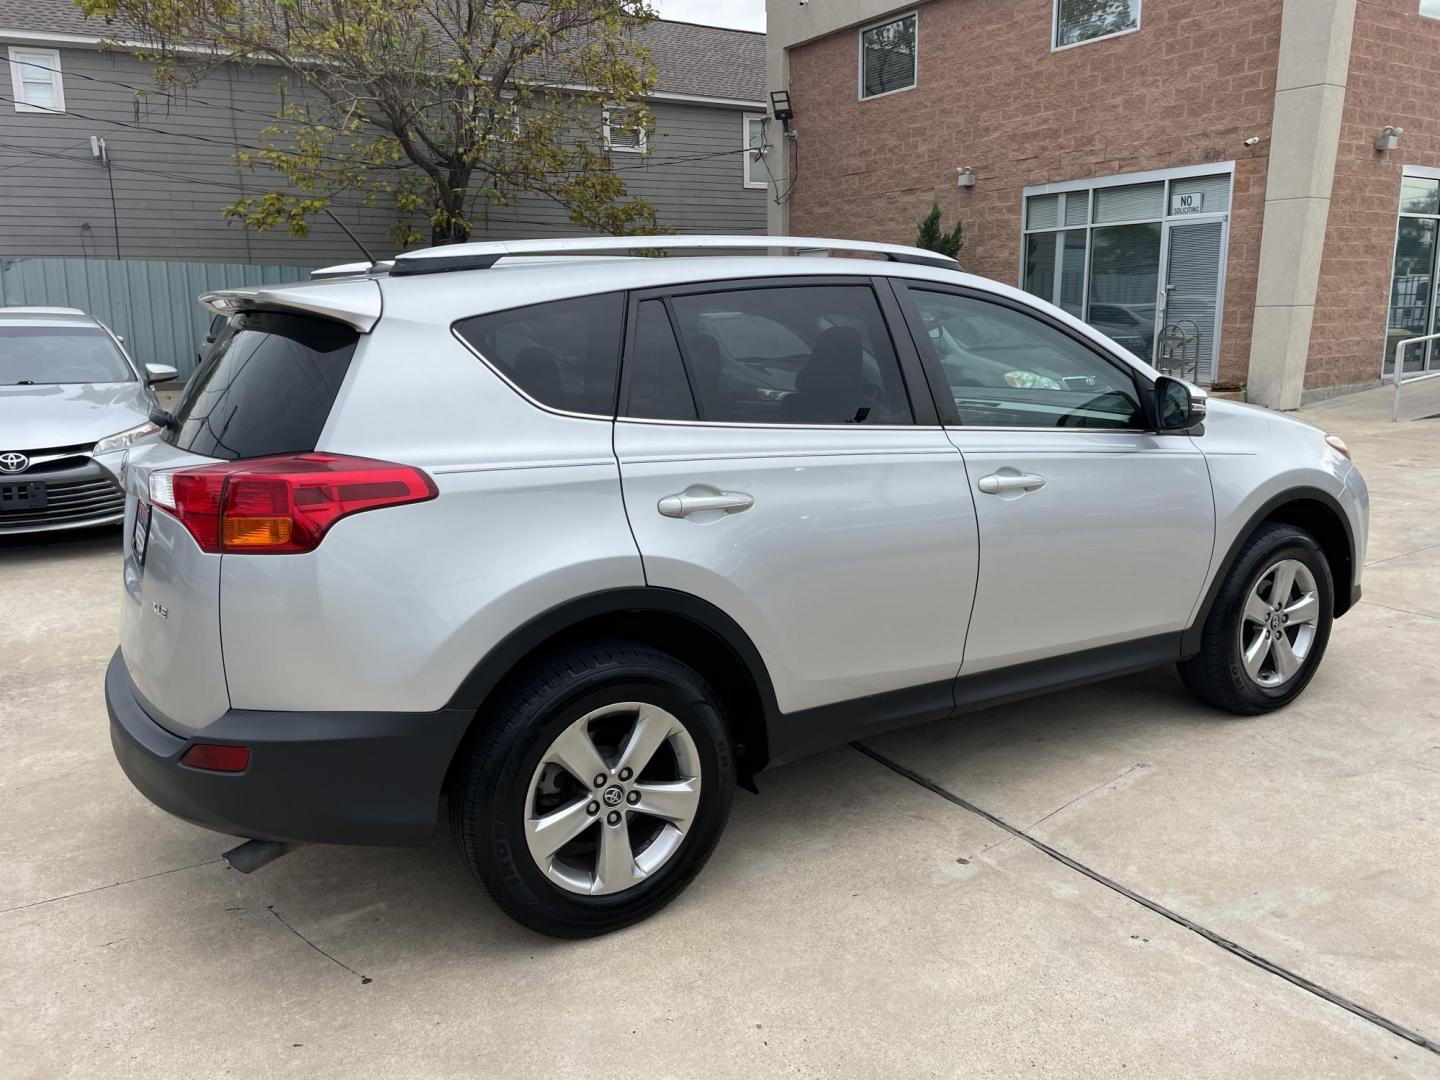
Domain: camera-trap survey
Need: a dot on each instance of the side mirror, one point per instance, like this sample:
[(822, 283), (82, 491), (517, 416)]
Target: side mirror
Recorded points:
[(158, 373), (1178, 406)]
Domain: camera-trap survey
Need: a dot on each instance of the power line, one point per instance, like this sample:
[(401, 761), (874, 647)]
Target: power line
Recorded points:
[(185, 99)]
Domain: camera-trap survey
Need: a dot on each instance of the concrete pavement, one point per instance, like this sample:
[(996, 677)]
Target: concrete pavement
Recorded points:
[(852, 922)]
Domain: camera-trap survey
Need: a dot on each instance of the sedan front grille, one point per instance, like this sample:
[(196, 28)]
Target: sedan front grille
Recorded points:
[(54, 458), (69, 502)]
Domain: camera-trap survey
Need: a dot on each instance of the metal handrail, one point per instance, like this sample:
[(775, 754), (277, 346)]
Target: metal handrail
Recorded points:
[(1399, 373)]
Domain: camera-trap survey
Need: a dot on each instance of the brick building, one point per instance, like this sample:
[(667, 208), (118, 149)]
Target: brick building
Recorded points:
[(1199, 179)]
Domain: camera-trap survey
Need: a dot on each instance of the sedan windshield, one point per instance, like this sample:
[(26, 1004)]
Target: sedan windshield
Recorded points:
[(32, 355)]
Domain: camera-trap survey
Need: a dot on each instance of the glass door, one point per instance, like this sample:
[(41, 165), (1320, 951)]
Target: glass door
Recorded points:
[(1188, 307)]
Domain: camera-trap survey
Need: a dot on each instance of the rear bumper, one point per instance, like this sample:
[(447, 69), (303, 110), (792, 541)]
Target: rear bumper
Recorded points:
[(321, 777)]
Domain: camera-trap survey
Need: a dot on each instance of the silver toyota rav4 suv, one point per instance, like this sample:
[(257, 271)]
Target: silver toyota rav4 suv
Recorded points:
[(570, 544)]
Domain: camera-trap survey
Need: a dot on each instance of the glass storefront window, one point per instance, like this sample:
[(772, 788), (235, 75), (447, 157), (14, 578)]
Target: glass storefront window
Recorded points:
[(1055, 268), (1124, 280), (1040, 265), (1419, 195), (1415, 279), (1098, 250), (1411, 290)]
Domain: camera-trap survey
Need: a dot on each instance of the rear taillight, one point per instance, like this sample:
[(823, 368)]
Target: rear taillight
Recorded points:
[(281, 505)]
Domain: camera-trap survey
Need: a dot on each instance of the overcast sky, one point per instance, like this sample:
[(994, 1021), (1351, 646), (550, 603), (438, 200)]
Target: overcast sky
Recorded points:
[(741, 14)]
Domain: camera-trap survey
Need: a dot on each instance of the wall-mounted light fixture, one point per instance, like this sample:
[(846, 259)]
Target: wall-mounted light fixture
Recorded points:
[(1389, 138), (780, 106), (965, 176)]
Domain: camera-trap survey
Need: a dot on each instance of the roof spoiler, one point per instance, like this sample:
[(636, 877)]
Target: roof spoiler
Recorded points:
[(352, 301), (483, 255)]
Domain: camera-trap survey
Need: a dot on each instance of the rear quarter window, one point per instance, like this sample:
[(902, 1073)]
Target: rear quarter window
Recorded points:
[(564, 354), (267, 387)]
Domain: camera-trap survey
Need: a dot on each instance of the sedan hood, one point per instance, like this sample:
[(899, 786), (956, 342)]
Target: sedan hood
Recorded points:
[(67, 414)]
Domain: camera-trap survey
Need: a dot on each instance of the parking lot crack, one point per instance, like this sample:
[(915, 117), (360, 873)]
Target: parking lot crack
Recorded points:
[(365, 980), (110, 885), (1401, 610), (1209, 935)]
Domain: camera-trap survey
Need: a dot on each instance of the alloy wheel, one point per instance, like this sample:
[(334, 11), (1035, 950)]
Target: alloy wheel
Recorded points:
[(1279, 623), (612, 798)]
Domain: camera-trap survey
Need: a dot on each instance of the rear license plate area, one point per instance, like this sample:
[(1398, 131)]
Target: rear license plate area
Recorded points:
[(22, 495)]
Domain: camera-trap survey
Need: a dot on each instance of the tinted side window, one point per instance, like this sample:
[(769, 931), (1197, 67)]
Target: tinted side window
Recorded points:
[(564, 354), (266, 388), (1008, 369), (658, 389), (802, 354)]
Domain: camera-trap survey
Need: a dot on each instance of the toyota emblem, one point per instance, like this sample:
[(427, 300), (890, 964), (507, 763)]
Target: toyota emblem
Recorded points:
[(12, 462)]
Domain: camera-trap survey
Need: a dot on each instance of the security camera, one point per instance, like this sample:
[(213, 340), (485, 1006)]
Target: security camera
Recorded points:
[(1253, 140)]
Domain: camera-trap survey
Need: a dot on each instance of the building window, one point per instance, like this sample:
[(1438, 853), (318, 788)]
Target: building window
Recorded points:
[(888, 56), (1141, 258), (624, 129), (1412, 283), (757, 161), (1079, 21), (35, 78), (1430, 8)]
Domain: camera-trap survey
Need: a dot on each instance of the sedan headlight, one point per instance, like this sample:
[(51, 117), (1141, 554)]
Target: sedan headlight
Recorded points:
[(121, 440)]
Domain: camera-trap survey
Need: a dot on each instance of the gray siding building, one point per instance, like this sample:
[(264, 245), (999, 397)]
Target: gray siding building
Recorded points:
[(167, 159)]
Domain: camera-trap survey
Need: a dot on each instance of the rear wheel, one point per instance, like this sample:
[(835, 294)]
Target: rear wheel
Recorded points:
[(1268, 627), (597, 790)]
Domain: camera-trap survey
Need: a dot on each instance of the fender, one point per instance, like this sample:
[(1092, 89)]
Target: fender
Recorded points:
[(1346, 595), (502, 659)]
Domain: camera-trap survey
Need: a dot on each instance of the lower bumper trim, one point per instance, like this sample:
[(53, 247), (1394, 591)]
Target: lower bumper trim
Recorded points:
[(314, 777)]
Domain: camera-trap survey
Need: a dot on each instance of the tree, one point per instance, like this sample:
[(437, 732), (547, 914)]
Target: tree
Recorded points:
[(931, 238), (443, 107)]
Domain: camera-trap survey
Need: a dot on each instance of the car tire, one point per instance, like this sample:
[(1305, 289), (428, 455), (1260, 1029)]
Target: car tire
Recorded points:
[(521, 791), (1259, 652)]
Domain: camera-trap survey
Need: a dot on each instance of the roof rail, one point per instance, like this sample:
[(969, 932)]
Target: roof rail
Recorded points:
[(355, 269), (483, 255)]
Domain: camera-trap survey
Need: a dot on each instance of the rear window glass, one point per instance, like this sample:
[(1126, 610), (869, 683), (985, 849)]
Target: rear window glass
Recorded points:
[(37, 355), (266, 388), (564, 354)]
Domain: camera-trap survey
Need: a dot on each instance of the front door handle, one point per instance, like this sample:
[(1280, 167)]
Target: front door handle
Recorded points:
[(998, 483), (696, 500)]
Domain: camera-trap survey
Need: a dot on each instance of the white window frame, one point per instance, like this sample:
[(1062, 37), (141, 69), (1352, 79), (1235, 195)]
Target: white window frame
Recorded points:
[(1088, 189), (746, 119), (1428, 361), (617, 148), (1055, 45), (914, 13), (17, 82)]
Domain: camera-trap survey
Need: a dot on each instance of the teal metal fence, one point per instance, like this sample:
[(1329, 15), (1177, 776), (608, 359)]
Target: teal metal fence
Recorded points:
[(152, 305)]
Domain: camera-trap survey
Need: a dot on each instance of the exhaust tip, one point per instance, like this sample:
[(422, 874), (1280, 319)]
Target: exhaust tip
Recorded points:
[(253, 854)]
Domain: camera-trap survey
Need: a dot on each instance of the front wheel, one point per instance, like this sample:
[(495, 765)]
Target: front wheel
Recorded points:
[(1268, 628), (597, 790)]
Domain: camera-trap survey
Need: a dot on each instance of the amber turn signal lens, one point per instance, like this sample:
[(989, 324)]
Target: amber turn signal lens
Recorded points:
[(257, 531)]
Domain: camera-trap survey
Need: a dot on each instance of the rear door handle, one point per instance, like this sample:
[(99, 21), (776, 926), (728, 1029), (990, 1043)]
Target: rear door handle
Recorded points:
[(998, 483), (696, 500)]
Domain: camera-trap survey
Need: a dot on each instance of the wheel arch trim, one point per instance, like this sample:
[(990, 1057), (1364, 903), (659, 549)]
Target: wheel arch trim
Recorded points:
[(551, 625), (1344, 575)]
